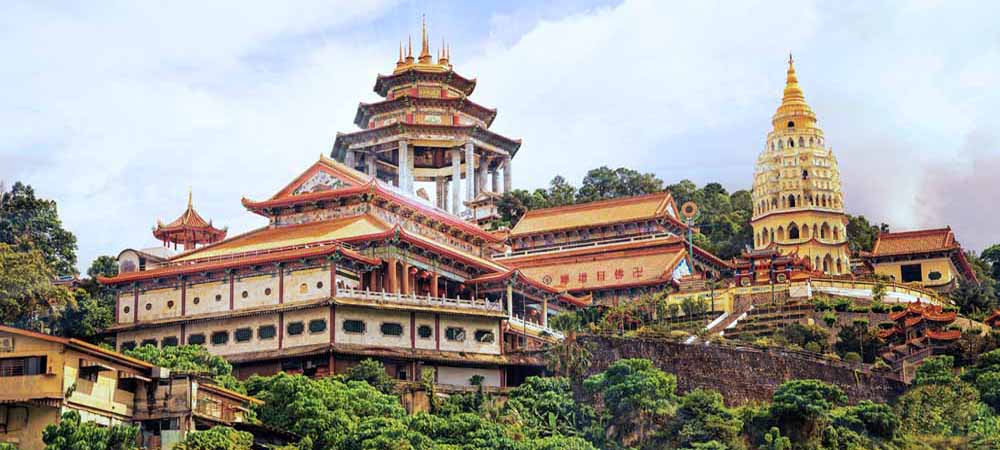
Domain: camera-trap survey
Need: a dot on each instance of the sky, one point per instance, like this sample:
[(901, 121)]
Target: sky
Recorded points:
[(116, 109)]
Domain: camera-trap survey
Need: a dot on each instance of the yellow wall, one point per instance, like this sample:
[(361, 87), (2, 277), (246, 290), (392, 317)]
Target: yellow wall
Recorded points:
[(942, 265)]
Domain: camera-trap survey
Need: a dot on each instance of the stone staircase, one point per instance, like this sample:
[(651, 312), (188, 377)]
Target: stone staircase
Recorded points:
[(763, 321)]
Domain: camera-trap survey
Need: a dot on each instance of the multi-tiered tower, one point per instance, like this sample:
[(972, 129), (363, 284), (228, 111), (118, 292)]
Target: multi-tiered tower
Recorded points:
[(427, 130), (798, 206)]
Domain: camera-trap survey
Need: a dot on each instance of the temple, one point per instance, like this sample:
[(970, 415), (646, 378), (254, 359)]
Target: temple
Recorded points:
[(797, 204), (612, 250), (931, 258), (427, 130)]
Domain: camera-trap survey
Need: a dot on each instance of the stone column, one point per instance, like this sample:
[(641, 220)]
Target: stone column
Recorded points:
[(470, 174), (456, 178), (404, 166), (444, 193), (434, 285), (393, 284), (439, 194), (405, 288), (372, 163), (349, 159), (545, 312), (510, 300), (495, 177), (482, 175), (506, 173)]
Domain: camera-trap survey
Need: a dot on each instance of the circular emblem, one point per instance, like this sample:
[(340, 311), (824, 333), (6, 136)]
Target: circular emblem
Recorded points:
[(782, 278), (745, 282), (547, 279), (689, 210)]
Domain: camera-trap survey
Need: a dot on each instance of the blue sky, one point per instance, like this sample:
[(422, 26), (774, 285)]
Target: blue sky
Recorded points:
[(114, 109)]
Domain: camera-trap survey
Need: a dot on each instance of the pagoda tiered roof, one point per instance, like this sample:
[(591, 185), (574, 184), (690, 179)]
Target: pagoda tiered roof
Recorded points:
[(189, 228), (385, 83), (367, 110), (428, 132)]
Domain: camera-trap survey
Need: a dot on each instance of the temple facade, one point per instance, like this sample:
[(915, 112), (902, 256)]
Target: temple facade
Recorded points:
[(798, 205), (932, 258), (428, 130)]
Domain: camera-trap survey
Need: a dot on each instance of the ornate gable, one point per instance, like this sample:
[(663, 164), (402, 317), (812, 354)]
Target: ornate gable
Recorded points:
[(320, 181)]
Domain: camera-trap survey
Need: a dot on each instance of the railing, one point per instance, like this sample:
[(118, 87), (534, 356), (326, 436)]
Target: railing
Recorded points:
[(480, 304), (255, 253), (594, 243), (891, 286), (518, 323)]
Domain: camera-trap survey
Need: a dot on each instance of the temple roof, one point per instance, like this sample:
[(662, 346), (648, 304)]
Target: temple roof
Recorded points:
[(271, 238), (349, 182), (189, 225), (367, 110), (640, 263), (450, 133), (917, 241), (408, 69), (604, 212)]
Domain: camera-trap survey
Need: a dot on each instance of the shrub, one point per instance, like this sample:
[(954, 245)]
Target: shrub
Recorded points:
[(829, 318), (886, 325), (842, 304), (852, 357), (897, 308), (813, 347)]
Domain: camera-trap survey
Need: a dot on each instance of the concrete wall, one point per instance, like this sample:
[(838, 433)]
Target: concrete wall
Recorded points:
[(940, 265), (741, 374), (459, 376)]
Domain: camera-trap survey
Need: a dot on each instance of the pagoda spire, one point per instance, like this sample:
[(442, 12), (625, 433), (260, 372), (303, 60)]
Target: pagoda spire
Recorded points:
[(409, 49), (400, 62), (793, 101), (425, 52)]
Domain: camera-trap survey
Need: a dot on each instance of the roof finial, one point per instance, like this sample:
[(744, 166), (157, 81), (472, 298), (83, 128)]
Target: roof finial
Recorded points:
[(790, 60), (399, 61), (425, 53), (409, 49), (189, 197)]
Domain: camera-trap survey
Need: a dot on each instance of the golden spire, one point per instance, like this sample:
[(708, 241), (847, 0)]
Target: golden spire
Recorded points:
[(442, 56), (409, 49), (399, 62), (425, 52), (793, 102), (189, 197)]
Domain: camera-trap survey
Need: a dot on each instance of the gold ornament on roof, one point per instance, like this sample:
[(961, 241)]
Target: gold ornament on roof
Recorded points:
[(424, 60)]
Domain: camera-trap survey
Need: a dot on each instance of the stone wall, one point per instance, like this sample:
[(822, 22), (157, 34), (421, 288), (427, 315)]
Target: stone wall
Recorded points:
[(741, 373)]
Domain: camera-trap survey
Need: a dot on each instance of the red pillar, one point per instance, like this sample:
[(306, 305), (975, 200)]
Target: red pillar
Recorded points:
[(232, 290), (333, 324), (333, 279), (135, 308), (405, 279), (393, 284), (413, 330), (183, 296), (281, 284), (434, 285), (437, 332), (281, 330)]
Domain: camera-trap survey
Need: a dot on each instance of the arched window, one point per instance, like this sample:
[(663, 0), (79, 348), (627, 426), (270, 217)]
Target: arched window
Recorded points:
[(827, 263), (791, 142), (784, 204), (791, 124), (772, 235), (793, 231), (805, 231), (781, 145), (815, 233), (802, 141), (791, 201), (839, 267), (836, 233), (781, 234), (824, 231), (810, 142), (805, 174), (816, 266)]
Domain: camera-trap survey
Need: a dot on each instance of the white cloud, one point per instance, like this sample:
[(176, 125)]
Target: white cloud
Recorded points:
[(115, 109)]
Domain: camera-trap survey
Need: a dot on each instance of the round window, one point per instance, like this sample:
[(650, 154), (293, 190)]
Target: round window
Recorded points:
[(934, 275), (245, 294), (149, 306), (319, 285), (267, 291), (170, 304), (196, 300), (127, 309), (218, 297)]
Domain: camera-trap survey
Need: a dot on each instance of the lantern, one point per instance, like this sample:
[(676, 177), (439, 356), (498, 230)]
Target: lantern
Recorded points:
[(413, 270)]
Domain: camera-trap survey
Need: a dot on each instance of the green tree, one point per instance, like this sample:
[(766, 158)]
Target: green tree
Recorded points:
[(974, 297), (84, 318), (703, 418), (546, 407), (603, 183), (28, 222), (27, 295), (802, 407), (638, 398), (216, 438), (991, 255), (190, 359), (773, 440), (560, 192), (373, 373), (858, 338), (861, 234), (331, 411), (72, 434)]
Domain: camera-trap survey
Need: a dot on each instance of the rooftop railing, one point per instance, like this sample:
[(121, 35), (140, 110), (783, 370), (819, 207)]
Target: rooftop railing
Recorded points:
[(480, 304), (594, 243), (517, 323)]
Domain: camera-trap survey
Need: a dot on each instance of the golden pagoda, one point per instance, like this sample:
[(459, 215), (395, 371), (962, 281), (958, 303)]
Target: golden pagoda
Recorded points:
[(798, 204)]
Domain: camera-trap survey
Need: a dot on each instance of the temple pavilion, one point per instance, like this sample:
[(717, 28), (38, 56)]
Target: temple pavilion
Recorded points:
[(932, 258), (189, 230), (428, 130)]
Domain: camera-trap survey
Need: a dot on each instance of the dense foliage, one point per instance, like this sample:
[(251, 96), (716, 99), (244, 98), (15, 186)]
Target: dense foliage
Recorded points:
[(190, 359), (216, 438), (31, 223), (72, 434)]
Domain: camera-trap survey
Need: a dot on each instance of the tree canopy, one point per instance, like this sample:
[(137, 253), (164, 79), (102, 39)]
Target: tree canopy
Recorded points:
[(27, 295), (28, 222)]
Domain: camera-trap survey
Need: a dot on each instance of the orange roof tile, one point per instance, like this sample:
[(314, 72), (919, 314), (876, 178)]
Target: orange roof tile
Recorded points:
[(605, 212), (918, 241), (271, 238)]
